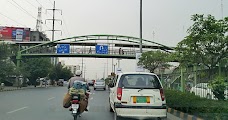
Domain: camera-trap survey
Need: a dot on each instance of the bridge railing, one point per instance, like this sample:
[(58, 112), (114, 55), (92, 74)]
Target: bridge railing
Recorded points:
[(77, 50)]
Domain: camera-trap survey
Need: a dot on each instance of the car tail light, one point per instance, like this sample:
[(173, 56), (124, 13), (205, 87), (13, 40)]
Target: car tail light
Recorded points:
[(162, 94), (74, 101), (147, 99), (119, 93), (134, 99)]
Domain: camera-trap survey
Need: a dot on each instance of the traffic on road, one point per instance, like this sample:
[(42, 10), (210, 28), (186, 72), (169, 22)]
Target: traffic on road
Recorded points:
[(46, 104), (113, 60)]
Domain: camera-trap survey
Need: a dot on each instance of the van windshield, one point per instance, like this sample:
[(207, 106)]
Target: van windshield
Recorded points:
[(139, 81)]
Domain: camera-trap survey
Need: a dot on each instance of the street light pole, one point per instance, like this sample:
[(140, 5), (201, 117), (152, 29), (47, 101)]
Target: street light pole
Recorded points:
[(140, 26)]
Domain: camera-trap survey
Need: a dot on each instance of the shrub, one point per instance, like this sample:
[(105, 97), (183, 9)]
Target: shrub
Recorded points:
[(218, 87), (202, 107)]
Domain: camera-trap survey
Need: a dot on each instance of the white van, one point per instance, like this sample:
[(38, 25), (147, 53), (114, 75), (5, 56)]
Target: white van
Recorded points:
[(137, 95)]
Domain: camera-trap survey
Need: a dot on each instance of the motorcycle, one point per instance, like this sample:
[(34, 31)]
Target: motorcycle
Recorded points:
[(77, 105)]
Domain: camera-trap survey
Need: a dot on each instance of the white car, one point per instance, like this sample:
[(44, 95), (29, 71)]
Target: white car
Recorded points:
[(204, 91), (99, 84), (137, 95)]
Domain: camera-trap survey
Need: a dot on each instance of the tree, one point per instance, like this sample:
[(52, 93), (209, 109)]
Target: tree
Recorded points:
[(206, 43), (6, 65), (154, 59), (59, 72), (35, 68), (66, 74)]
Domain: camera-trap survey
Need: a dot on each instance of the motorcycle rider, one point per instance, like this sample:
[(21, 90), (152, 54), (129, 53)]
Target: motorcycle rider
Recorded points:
[(78, 77)]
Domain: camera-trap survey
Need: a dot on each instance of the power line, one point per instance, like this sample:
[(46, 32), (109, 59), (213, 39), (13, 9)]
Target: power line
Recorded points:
[(40, 4), (51, 2), (65, 26), (31, 4), (23, 9), (36, 6), (13, 20)]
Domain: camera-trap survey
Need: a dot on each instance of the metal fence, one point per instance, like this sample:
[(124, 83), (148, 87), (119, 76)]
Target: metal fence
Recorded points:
[(195, 81)]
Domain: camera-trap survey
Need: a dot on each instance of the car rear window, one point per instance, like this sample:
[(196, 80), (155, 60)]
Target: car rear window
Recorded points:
[(99, 80), (139, 81)]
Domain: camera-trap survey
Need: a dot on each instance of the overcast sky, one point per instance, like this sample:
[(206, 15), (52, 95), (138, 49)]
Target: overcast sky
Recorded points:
[(169, 19)]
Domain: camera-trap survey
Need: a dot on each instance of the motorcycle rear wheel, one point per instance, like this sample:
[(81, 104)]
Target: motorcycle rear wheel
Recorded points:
[(75, 117)]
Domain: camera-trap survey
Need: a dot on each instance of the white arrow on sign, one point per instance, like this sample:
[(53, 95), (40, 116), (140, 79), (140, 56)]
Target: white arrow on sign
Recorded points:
[(101, 47)]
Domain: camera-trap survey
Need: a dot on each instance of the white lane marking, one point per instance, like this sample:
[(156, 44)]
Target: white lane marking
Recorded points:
[(51, 98), (91, 98), (17, 110)]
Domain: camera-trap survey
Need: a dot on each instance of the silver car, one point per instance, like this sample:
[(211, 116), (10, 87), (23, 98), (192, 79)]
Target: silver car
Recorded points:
[(99, 84)]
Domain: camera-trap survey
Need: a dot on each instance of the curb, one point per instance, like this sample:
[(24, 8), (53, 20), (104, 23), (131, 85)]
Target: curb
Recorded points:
[(184, 116), (13, 89)]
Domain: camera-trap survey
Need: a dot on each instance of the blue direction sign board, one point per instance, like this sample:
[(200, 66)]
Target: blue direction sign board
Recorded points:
[(63, 48), (102, 49)]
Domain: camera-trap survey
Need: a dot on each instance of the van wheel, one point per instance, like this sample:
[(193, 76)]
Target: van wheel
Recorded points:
[(110, 108), (104, 88), (117, 117), (162, 119)]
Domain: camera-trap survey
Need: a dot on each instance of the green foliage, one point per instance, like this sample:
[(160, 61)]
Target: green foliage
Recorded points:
[(154, 59), (66, 74), (4, 51), (6, 66), (6, 69), (59, 72), (206, 43), (218, 87), (34, 68), (202, 107)]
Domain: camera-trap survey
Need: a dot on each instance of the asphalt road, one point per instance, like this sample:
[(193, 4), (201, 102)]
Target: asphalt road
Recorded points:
[(46, 104)]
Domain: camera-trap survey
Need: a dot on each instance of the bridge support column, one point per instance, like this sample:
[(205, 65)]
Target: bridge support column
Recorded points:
[(18, 58), (182, 80)]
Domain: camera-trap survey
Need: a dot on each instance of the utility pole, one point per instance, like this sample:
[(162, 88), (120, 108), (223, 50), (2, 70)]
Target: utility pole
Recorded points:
[(153, 35), (53, 21), (39, 20), (82, 64), (107, 67), (222, 8), (104, 71), (112, 58), (53, 26), (140, 26), (84, 72)]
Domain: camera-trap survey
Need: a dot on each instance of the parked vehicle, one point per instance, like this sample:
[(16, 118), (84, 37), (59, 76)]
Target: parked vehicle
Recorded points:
[(60, 82), (90, 83), (204, 91), (137, 95), (99, 84)]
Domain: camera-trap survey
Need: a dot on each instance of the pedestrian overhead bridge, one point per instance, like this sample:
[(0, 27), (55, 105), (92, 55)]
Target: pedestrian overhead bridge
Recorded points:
[(85, 46)]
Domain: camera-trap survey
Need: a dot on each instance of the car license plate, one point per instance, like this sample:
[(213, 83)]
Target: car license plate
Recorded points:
[(141, 99), (75, 106)]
